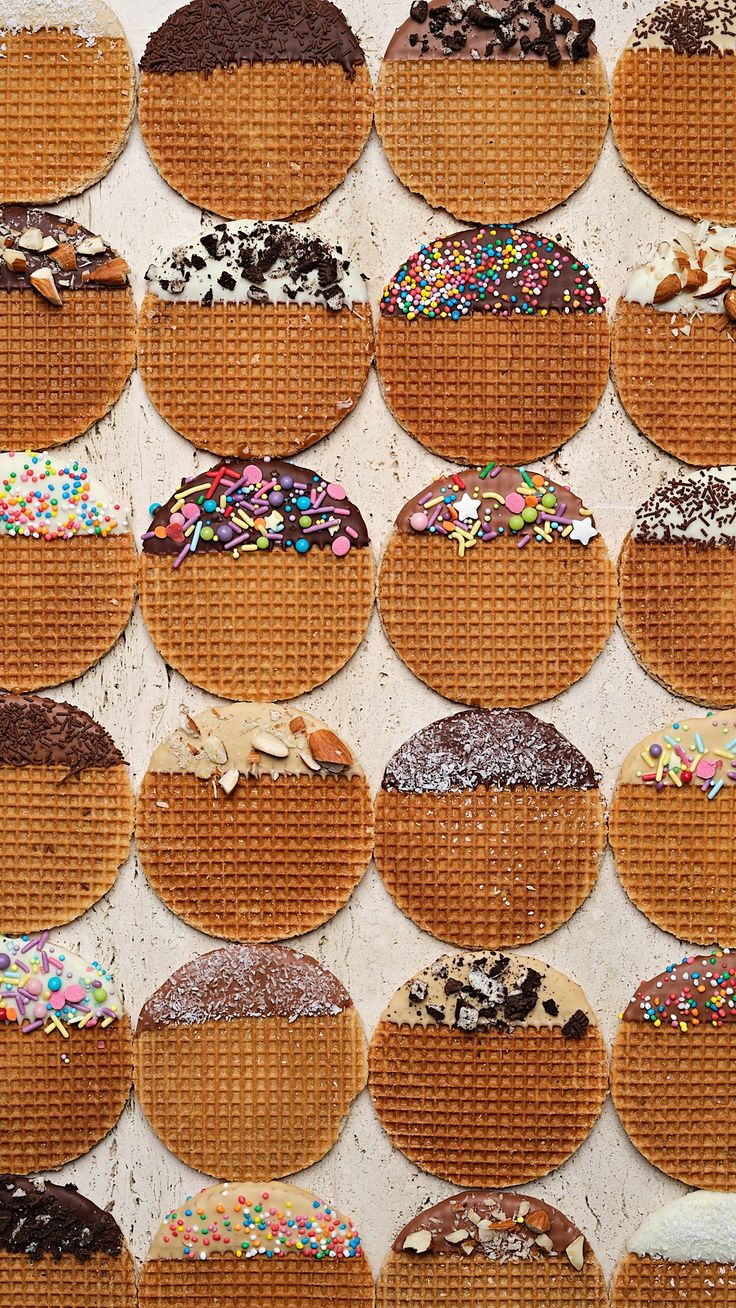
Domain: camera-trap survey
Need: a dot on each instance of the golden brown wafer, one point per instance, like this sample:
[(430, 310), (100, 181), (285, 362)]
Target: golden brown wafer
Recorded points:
[(208, 1079), (63, 142), (679, 389), (56, 1283), (416, 1283), (483, 383), (200, 825), (441, 1091), (267, 1282), (659, 1282)]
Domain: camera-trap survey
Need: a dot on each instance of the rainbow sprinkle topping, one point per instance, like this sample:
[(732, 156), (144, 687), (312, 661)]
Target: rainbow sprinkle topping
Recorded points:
[(698, 991), (50, 501)]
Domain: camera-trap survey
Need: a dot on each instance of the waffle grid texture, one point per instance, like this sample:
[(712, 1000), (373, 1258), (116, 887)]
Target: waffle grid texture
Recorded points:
[(69, 600), (672, 1092), (60, 1282), (203, 852), (679, 390), (486, 864), (517, 386), (667, 108), (262, 139), (486, 1108), (406, 1281), (290, 1282), (252, 1096), (675, 857), (492, 140), (657, 1283), (65, 835), (67, 109), (302, 617), (68, 365), (66, 1108), (273, 377), (678, 613), (468, 643)]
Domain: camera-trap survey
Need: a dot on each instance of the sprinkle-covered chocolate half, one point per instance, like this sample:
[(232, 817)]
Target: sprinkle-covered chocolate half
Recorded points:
[(692, 753), (201, 37), (493, 1224), (50, 255), (479, 505), (695, 1228), (46, 989), (38, 1218), (39, 732), (688, 27), (494, 269), (245, 981), (487, 747), (492, 29), (258, 263), (236, 507), (45, 498), (698, 508), (698, 991), (476, 992)]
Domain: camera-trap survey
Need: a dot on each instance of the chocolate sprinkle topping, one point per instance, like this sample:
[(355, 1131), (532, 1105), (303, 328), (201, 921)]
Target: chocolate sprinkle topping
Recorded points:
[(699, 508), (689, 27), (38, 732), (37, 1218)]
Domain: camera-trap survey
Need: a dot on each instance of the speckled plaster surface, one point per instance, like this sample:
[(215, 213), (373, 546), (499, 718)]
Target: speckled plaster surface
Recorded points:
[(375, 702)]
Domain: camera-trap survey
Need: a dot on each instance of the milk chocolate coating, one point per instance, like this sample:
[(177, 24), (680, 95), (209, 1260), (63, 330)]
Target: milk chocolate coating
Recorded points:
[(492, 29), (38, 732), (16, 218), (451, 1215), (38, 1217), (487, 747), (701, 986), (209, 34), (244, 981)]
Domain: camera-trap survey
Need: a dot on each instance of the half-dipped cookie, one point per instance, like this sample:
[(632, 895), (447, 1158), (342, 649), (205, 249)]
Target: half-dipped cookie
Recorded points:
[(235, 1033), (684, 1253), (470, 1034), (489, 826)]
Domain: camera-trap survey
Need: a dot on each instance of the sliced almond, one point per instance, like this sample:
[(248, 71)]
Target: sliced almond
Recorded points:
[(485, 1231), (667, 289), (112, 273), (229, 780), (538, 1221), (328, 748), (189, 725), (214, 748), (42, 280), (66, 256), (267, 743), (695, 277), (31, 239), (544, 1242), (91, 245), (15, 259), (418, 1241), (523, 1209), (730, 253), (309, 762), (713, 288), (454, 1237), (729, 303), (296, 725), (48, 243), (576, 1253)]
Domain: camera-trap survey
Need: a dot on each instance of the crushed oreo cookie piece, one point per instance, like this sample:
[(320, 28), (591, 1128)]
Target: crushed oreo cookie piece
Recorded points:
[(466, 1017), (576, 1026), (550, 1007), (419, 11), (418, 992)]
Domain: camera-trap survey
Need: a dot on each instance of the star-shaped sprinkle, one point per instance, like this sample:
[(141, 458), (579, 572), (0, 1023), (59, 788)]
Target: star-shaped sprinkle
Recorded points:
[(583, 530), (467, 507)]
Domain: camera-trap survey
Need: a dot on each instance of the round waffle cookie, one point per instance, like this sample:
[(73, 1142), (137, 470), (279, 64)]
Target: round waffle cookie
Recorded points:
[(270, 540), (484, 541), (684, 1253), (491, 1249), (507, 803), (66, 809), (273, 327), (68, 354), (677, 586), (237, 1036), (258, 110), (674, 346), (67, 96), (64, 1033), (209, 789), (312, 1253), (492, 111), (67, 570), (463, 1039), (492, 338), (680, 55), (57, 1247), (661, 822), (672, 1070)]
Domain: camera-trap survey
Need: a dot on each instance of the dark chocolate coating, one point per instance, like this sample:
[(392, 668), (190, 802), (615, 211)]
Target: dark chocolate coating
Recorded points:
[(38, 1217), (16, 218), (39, 732)]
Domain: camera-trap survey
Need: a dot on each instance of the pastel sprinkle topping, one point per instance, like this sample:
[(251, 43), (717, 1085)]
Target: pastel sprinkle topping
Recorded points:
[(700, 752), (44, 988), (49, 500)]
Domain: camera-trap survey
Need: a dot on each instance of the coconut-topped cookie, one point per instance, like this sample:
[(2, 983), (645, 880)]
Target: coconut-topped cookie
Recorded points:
[(467, 1031), (448, 75), (264, 1024), (250, 88), (678, 1033), (524, 314), (685, 1251), (683, 542), (69, 355), (63, 776), (469, 792), (504, 532), (279, 538), (680, 53), (65, 549), (204, 796), (274, 301)]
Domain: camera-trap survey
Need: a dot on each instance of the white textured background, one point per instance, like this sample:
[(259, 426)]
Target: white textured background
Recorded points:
[(375, 702)]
